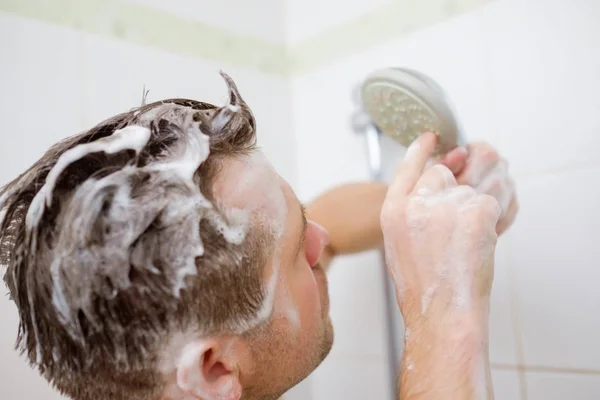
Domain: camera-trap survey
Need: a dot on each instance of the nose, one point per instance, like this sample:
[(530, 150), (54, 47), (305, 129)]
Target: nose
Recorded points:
[(317, 238)]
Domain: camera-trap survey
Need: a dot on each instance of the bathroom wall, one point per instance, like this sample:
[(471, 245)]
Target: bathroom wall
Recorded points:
[(524, 75)]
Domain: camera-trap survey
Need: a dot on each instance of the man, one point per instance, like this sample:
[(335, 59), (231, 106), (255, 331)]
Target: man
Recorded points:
[(159, 256)]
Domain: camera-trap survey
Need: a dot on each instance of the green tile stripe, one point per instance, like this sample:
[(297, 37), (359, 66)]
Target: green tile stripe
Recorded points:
[(393, 20), (154, 28), (158, 29)]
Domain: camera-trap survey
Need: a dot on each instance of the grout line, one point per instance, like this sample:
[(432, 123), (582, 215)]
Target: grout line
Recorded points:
[(368, 358), (544, 369), (505, 367), (559, 370), (496, 366)]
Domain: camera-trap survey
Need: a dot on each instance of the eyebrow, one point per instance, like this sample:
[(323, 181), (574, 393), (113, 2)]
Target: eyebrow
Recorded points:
[(303, 232)]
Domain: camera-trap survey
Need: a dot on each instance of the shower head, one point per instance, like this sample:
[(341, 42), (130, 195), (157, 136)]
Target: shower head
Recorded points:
[(404, 104)]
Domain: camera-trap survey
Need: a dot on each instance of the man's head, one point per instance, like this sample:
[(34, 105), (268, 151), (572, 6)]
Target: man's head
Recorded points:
[(159, 256)]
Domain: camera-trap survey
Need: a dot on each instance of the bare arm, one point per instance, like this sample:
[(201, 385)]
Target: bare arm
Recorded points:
[(439, 240), (446, 354), (440, 361), (448, 360), (351, 215)]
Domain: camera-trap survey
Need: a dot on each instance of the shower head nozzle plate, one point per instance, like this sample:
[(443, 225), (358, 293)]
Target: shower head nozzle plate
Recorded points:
[(404, 104)]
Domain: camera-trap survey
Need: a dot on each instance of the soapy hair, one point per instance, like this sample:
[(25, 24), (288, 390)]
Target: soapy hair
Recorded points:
[(121, 250)]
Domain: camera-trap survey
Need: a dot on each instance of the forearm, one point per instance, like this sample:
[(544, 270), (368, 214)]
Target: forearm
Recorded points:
[(446, 361), (351, 215)]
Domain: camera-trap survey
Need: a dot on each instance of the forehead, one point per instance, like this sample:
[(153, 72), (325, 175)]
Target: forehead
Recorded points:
[(250, 183)]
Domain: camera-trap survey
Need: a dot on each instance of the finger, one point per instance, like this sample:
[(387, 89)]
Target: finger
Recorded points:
[(435, 179), (410, 169), (455, 160), (481, 159)]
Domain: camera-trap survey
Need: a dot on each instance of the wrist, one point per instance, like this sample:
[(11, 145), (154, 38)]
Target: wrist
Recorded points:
[(445, 358), (467, 334)]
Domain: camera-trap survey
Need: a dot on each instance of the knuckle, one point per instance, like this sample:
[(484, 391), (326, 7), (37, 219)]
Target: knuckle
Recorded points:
[(466, 190), (482, 207), (462, 194), (484, 148), (445, 174), (490, 207), (490, 154)]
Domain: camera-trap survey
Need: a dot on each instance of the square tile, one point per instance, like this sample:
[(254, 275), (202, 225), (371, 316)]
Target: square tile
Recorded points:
[(555, 254), (17, 379), (554, 386), (543, 64), (506, 385), (238, 17), (449, 51), (40, 100), (303, 23), (351, 379), (302, 391), (357, 306), (329, 152)]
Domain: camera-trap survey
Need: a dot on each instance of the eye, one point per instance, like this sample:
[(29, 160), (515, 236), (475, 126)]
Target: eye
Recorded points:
[(314, 244)]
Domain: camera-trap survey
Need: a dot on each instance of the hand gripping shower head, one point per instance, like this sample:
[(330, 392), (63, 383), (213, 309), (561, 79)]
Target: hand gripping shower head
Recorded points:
[(404, 104)]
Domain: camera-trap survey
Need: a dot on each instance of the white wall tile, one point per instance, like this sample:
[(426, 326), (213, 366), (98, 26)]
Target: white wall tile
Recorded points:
[(40, 99), (117, 72), (40, 103), (17, 379), (554, 386), (555, 252), (261, 19), (449, 51), (307, 19), (328, 151), (302, 391), (543, 60), (357, 308), (351, 379), (506, 385)]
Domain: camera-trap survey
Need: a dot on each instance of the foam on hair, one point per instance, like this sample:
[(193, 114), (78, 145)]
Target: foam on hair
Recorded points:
[(99, 238)]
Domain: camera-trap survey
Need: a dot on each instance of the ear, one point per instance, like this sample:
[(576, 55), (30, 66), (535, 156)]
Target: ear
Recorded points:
[(204, 372)]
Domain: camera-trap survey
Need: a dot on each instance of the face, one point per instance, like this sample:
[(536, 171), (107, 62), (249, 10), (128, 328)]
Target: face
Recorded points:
[(299, 333)]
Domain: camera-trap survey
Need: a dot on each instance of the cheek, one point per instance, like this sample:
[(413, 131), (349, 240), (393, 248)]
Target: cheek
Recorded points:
[(304, 291), (304, 287)]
